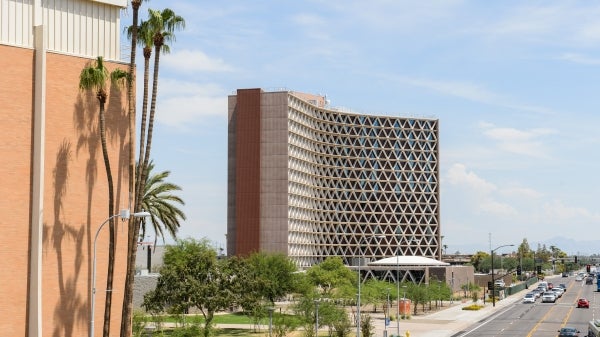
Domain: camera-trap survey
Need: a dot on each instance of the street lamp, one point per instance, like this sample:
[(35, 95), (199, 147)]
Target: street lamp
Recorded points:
[(494, 281), (124, 214), (316, 318), (398, 293), (412, 239), (271, 309), (362, 253)]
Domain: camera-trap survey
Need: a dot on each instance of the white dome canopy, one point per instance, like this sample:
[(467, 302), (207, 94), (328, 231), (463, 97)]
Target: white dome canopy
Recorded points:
[(408, 261)]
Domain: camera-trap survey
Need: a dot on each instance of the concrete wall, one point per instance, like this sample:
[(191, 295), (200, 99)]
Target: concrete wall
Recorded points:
[(142, 285), (455, 276)]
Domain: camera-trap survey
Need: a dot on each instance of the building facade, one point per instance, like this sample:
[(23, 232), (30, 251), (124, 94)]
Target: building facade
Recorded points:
[(54, 190), (312, 181)]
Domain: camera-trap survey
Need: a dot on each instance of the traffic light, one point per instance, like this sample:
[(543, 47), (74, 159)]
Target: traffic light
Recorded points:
[(588, 268), (518, 270), (575, 258), (539, 269), (490, 285)]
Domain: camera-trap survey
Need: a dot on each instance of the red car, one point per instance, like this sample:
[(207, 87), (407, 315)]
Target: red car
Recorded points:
[(583, 303)]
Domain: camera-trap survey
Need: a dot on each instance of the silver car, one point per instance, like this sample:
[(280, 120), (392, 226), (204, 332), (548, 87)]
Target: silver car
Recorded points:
[(548, 296), (529, 298)]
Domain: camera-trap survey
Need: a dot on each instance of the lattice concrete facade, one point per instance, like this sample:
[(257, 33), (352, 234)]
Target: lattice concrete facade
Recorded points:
[(311, 182)]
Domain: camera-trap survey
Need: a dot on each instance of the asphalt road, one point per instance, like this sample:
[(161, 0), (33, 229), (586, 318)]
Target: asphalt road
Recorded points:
[(541, 319)]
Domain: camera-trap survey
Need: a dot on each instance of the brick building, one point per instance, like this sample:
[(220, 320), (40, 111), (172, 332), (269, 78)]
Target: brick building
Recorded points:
[(54, 190)]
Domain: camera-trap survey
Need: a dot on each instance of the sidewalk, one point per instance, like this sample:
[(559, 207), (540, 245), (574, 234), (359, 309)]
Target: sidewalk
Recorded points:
[(446, 322)]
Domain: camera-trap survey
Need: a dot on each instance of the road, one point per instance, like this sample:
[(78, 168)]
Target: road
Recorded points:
[(541, 319)]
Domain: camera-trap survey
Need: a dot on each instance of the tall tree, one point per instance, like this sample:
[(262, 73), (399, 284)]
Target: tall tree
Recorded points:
[(192, 276), (274, 273), (127, 309), (95, 77), (158, 199), (162, 25), (146, 41)]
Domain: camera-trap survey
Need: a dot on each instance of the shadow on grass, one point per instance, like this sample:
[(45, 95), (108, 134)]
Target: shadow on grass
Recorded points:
[(217, 333)]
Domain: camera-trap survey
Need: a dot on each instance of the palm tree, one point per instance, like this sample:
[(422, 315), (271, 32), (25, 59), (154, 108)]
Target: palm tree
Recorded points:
[(146, 41), (131, 236), (162, 24), (158, 199), (95, 77)]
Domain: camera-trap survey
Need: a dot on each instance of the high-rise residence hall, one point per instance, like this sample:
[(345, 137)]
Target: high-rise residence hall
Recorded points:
[(54, 186), (312, 181)]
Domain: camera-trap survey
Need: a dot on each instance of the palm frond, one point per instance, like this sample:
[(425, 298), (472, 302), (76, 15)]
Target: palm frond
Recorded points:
[(94, 76), (161, 202), (119, 78)]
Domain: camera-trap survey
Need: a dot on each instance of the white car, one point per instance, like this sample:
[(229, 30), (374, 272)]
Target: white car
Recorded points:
[(529, 298), (548, 296), (558, 291), (579, 278)]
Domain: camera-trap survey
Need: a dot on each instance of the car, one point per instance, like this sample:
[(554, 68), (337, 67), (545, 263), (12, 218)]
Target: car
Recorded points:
[(568, 332), (558, 291), (548, 296), (563, 286), (589, 280), (529, 298), (565, 275), (550, 285), (499, 283), (537, 292), (579, 278), (583, 303)]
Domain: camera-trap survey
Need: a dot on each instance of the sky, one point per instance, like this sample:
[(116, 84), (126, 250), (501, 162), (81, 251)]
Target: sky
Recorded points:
[(514, 85)]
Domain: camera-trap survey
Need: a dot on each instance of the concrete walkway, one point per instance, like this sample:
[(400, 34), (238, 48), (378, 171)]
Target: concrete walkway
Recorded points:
[(448, 321)]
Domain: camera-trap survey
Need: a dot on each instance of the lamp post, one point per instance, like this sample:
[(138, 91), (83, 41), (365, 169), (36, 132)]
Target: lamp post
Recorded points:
[(387, 319), (316, 318), (124, 214), (398, 294), (494, 281), (362, 254), (271, 309)]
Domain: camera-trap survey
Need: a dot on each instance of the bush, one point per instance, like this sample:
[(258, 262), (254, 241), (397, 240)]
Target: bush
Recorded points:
[(472, 307), (475, 296), (366, 326)]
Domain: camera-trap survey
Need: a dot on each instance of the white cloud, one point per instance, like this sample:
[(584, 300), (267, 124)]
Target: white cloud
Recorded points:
[(521, 192), (471, 92), (458, 175), (183, 102), (524, 142), (556, 211), (459, 89), (578, 58), (479, 192), (194, 61), (495, 207), (565, 24)]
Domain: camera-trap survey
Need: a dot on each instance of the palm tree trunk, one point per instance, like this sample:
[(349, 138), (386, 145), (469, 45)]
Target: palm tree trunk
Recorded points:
[(131, 234), (111, 246), (147, 54), (151, 118)]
